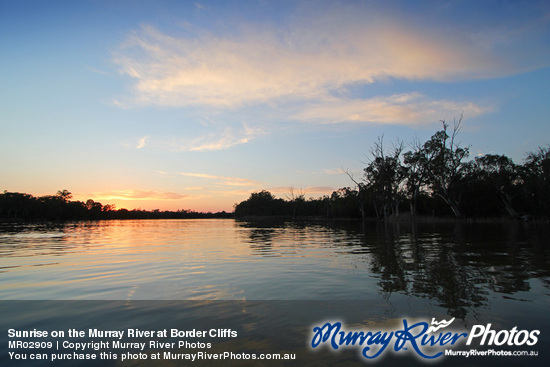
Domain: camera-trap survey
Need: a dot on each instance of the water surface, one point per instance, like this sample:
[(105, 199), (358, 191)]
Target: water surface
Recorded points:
[(273, 281), (460, 267)]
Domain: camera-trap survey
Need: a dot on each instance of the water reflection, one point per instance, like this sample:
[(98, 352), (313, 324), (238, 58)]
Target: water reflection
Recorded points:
[(456, 265), (460, 267)]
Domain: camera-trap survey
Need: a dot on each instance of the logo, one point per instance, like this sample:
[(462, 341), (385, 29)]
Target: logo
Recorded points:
[(439, 325), (428, 341), (511, 337)]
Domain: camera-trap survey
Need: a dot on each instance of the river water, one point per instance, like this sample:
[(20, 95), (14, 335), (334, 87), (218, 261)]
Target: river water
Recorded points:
[(361, 272)]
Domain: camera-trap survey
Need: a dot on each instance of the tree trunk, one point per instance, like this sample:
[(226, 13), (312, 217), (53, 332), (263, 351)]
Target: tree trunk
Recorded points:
[(455, 209), (396, 208), (413, 201), (506, 202), (376, 210), (452, 204)]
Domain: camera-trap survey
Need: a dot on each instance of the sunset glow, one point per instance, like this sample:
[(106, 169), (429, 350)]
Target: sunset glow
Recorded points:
[(196, 104)]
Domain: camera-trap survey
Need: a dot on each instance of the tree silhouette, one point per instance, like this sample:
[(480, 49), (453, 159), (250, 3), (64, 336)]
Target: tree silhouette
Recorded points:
[(415, 163), (64, 195), (443, 157), (385, 175), (501, 174), (535, 176)]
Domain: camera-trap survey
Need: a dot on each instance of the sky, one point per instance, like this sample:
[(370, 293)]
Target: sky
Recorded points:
[(196, 104)]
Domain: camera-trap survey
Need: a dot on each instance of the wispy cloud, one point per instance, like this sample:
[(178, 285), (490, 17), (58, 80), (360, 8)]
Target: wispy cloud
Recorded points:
[(200, 6), (294, 72), (411, 108), (333, 171), (223, 180), (199, 175), (306, 191), (141, 142), (320, 189), (305, 60), (262, 66), (137, 195), (227, 138), (97, 71), (219, 139)]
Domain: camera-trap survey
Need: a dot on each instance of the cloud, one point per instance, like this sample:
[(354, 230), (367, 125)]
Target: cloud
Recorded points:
[(138, 195), (223, 180), (141, 142), (410, 108), (298, 191), (304, 59), (97, 71), (220, 139), (319, 189), (320, 65), (199, 175), (200, 6), (227, 138), (331, 171)]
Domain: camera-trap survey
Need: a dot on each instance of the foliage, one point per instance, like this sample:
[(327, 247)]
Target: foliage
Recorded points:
[(434, 178), (443, 163), (384, 176), (19, 206)]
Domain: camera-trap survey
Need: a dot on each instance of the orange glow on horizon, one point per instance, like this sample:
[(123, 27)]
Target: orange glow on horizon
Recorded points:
[(198, 205)]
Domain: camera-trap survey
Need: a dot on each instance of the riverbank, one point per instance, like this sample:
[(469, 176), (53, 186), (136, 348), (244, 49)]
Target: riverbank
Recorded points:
[(405, 217)]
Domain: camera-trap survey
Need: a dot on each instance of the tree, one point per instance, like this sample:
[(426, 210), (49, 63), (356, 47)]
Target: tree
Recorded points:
[(443, 156), (94, 209), (415, 162), (360, 194), (535, 176), (385, 174), (296, 198), (15, 204), (261, 203), (502, 175), (344, 203), (64, 195)]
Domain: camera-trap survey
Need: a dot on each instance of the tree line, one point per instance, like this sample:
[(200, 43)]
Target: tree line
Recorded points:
[(433, 178), (20, 206)]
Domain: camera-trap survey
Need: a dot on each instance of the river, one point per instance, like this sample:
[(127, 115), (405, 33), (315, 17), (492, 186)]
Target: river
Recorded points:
[(361, 272)]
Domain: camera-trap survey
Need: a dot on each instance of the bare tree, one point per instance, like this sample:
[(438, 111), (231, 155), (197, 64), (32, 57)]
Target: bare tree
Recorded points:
[(416, 173), (443, 156), (296, 197), (385, 175), (361, 193)]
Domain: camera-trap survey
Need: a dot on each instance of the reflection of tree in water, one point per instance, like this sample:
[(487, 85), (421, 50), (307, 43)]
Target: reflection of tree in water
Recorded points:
[(454, 265), (41, 238), (52, 238), (521, 255), (289, 238), (455, 287), (260, 235), (442, 275)]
